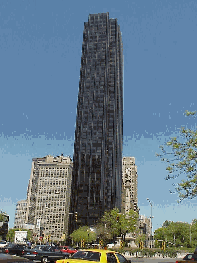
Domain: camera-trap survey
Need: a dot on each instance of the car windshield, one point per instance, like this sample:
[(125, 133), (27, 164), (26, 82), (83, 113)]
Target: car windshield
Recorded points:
[(10, 245), (46, 249), (66, 247), (41, 247), (121, 258), (89, 255)]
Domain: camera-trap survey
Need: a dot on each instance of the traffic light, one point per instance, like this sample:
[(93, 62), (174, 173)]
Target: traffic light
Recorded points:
[(141, 245), (76, 216), (163, 245), (101, 243), (82, 243), (121, 243)]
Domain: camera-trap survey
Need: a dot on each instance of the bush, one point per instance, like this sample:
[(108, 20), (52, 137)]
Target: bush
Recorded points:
[(146, 252)]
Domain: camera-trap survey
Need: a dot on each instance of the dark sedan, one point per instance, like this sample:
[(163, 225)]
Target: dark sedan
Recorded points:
[(46, 254), (6, 258), (15, 249)]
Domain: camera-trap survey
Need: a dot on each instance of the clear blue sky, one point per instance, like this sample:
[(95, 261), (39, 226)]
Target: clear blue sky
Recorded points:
[(40, 51)]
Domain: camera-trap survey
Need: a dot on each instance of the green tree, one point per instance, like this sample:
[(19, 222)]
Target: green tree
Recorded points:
[(178, 234), (128, 223), (193, 233), (3, 217), (141, 237), (11, 234), (166, 223), (119, 224), (83, 233), (182, 160), (103, 233), (160, 234), (110, 220)]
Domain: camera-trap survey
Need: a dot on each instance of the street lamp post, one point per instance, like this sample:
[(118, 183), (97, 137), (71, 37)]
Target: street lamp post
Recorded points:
[(190, 234), (151, 237)]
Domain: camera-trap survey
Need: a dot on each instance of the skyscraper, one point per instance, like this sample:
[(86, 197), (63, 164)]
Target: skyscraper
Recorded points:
[(97, 161)]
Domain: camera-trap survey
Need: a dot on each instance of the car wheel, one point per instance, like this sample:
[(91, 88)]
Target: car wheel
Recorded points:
[(67, 256), (44, 259)]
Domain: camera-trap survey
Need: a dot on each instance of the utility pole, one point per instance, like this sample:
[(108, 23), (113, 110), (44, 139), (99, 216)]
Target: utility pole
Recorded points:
[(190, 234), (151, 236)]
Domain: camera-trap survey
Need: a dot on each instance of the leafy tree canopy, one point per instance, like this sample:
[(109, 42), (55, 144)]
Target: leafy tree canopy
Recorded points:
[(178, 233), (141, 237), (3, 217), (117, 224), (166, 223), (182, 160), (83, 233)]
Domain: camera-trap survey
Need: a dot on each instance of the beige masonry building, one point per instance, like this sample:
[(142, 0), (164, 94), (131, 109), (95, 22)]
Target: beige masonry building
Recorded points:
[(130, 202), (48, 196), (129, 192), (20, 214), (129, 185)]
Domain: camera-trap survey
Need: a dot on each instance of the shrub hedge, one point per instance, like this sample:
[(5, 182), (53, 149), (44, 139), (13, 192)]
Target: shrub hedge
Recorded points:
[(146, 252)]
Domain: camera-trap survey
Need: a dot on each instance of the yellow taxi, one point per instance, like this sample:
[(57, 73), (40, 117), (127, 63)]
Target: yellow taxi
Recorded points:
[(95, 255)]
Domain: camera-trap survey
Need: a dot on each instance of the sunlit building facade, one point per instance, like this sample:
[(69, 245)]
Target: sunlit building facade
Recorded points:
[(129, 185), (48, 196), (20, 214)]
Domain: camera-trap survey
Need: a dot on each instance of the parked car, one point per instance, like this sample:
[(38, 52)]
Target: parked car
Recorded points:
[(68, 249), (15, 249), (189, 258), (45, 254), (35, 249), (40, 247), (3, 244), (95, 255), (111, 245), (6, 258)]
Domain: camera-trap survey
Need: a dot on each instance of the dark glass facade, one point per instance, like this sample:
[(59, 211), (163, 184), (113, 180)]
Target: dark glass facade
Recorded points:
[(97, 160)]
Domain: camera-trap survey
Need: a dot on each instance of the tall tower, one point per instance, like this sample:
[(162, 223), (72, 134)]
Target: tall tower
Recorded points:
[(97, 161)]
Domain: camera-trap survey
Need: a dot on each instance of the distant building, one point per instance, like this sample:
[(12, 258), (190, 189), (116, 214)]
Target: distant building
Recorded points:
[(129, 185), (4, 219), (20, 214), (129, 192), (145, 229), (48, 196)]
